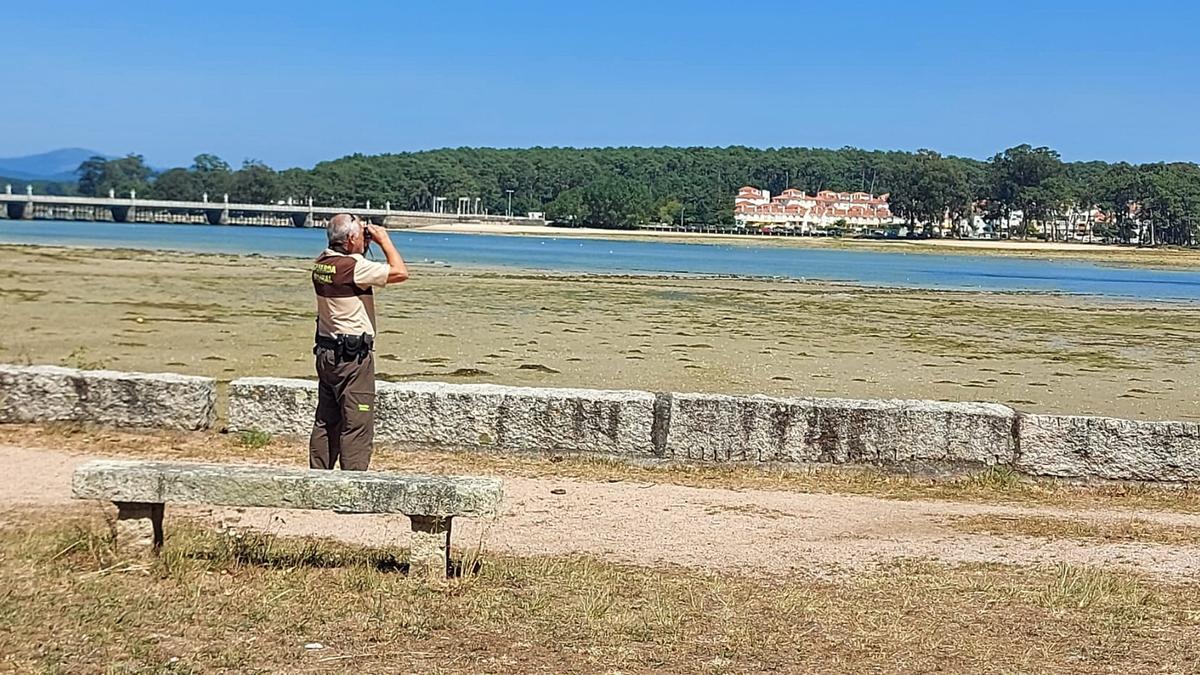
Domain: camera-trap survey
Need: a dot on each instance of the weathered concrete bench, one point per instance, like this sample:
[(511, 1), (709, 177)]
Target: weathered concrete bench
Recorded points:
[(140, 489)]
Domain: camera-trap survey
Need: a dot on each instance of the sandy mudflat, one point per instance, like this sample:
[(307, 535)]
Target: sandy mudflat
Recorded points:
[(227, 317)]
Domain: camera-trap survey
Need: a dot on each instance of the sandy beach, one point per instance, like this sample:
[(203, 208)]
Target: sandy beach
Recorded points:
[(227, 317), (1047, 250)]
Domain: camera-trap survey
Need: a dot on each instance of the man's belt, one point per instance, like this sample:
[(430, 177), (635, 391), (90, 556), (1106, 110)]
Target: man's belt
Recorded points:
[(326, 342), (347, 347)]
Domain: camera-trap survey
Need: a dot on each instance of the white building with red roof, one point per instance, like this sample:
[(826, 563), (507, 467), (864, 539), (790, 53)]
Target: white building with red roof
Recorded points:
[(806, 214)]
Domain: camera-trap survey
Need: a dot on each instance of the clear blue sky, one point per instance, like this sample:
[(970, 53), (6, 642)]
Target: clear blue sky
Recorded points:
[(293, 83)]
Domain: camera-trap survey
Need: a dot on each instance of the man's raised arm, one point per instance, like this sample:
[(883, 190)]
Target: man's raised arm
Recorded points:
[(398, 271)]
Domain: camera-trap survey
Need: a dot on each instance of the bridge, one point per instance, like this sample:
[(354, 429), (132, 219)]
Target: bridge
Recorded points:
[(30, 206)]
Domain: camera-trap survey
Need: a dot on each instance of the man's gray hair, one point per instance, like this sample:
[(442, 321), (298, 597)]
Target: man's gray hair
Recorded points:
[(339, 229)]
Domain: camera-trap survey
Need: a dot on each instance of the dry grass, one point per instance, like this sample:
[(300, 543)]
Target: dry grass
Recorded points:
[(250, 604), (996, 485), (1050, 527)]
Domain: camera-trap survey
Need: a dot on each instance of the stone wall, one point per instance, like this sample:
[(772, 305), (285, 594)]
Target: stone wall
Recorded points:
[(692, 427), (757, 428), (53, 394), (1102, 447), (719, 428), (275, 405), (465, 416)]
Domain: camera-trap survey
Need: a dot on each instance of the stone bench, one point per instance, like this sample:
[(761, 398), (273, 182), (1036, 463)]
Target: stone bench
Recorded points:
[(140, 489)]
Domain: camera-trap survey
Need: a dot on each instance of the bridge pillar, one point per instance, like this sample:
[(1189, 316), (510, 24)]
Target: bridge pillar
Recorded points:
[(122, 214), (19, 210), (217, 216), (302, 218)]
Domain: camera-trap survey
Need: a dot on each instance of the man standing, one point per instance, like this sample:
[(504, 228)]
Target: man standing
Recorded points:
[(344, 282)]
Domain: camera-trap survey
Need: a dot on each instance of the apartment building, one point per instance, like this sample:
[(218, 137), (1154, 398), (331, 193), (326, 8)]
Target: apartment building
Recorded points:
[(811, 214)]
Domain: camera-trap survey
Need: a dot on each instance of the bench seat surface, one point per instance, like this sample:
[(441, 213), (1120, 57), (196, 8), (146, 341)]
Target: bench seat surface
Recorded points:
[(287, 488)]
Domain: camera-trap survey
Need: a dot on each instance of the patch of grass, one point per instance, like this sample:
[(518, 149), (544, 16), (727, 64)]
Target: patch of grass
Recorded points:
[(254, 439), (218, 602), (1049, 527), (1120, 596), (998, 478), (750, 510)]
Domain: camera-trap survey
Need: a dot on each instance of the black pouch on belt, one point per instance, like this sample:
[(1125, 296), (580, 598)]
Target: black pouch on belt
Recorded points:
[(355, 347)]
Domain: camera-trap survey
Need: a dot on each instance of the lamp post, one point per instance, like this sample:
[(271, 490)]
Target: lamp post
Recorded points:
[(509, 212)]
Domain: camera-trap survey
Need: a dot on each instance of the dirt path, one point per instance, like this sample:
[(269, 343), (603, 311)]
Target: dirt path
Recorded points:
[(761, 532)]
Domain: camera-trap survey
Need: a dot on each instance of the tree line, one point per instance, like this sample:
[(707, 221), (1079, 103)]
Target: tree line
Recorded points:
[(624, 187)]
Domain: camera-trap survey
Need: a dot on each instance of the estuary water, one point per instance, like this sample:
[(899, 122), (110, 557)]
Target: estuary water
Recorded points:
[(953, 271)]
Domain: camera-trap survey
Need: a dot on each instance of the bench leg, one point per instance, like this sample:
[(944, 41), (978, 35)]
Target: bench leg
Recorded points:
[(429, 554), (139, 528)]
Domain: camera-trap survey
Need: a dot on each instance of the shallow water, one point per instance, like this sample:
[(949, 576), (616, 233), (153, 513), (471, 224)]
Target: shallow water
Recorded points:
[(899, 269)]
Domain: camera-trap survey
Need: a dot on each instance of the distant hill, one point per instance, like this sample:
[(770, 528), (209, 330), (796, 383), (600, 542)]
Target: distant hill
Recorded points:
[(56, 165)]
